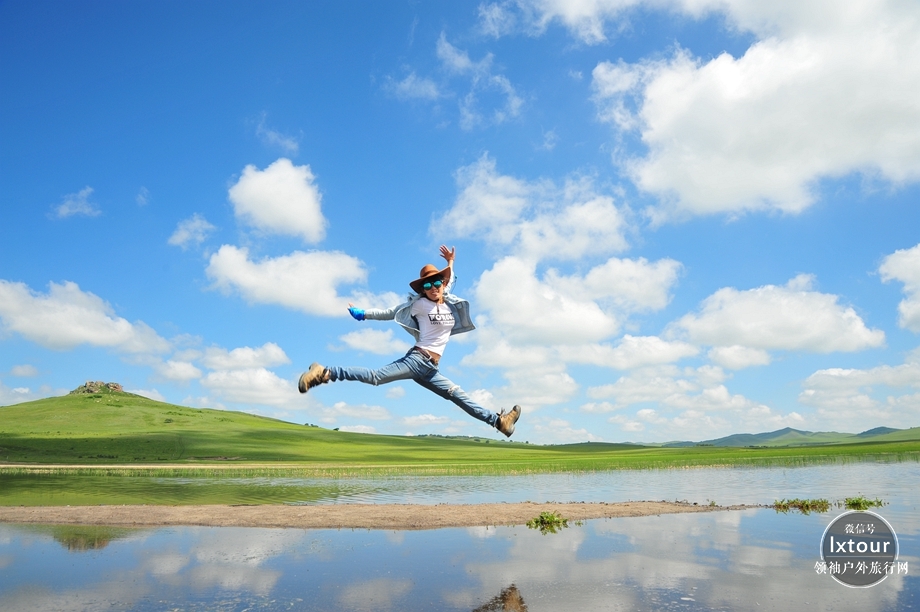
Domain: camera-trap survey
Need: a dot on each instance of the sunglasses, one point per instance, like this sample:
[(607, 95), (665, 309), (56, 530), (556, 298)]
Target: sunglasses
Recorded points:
[(436, 284)]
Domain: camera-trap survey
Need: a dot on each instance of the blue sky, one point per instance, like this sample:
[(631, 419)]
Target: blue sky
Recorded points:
[(674, 219)]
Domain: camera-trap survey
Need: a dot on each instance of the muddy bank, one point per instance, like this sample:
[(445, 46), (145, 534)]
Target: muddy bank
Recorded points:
[(342, 516)]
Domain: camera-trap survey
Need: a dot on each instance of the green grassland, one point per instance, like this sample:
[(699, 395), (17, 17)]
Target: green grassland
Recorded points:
[(109, 428)]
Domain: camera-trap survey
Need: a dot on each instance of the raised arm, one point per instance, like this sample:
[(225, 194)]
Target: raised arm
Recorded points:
[(449, 255)]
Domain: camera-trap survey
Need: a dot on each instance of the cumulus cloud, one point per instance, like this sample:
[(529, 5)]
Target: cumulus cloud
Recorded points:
[(282, 199), (630, 352), (827, 89), (859, 399), (307, 282), (251, 386), (375, 341), (904, 266), (265, 356), (791, 317), (77, 204), (17, 395), (148, 393), (738, 357), (193, 230), (179, 371), (67, 317), (572, 309), (352, 411), (531, 311), (536, 220), (683, 403), (425, 420)]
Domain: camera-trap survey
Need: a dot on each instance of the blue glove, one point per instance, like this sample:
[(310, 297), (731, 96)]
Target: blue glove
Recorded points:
[(357, 313)]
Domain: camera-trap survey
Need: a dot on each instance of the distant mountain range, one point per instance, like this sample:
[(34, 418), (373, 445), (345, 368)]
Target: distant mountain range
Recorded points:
[(795, 437)]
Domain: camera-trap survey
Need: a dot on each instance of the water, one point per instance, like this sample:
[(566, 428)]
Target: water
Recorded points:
[(743, 560), (725, 486)]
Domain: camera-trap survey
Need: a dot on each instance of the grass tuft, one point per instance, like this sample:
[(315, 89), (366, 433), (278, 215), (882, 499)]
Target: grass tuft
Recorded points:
[(548, 522), (805, 506), (862, 503)]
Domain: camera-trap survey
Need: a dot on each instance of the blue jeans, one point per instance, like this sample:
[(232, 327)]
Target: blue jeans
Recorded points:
[(416, 366)]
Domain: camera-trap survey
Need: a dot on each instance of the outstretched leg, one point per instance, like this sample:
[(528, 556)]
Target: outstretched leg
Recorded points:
[(441, 385)]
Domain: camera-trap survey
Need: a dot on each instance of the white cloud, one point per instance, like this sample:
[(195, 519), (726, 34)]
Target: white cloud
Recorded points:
[(828, 89), (148, 393), (574, 309), (530, 311), (17, 395), (585, 19), (275, 138), (282, 199), (770, 317), (77, 204), (195, 230), (425, 420), (534, 220), (631, 352), (375, 341), (414, 87), (301, 281), (143, 197), (626, 285), (561, 431), (179, 371), (265, 356), (251, 386), (857, 399), (25, 370), (738, 357), (483, 83), (684, 404), (395, 392), (365, 429), (352, 411), (66, 317), (904, 266)]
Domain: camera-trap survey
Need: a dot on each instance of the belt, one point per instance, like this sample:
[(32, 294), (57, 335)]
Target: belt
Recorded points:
[(432, 357)]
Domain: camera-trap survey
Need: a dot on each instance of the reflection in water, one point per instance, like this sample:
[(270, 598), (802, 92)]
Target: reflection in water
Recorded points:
[(82, 538), (751, 560), (509, 600)]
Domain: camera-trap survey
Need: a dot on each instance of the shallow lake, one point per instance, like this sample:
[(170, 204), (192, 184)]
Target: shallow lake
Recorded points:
[(744, 560)]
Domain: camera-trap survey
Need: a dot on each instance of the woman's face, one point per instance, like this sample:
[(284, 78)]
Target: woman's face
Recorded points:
[(435, 292)]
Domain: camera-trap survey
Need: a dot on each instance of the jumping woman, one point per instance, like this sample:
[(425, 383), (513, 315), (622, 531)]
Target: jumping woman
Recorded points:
[(432, 315)]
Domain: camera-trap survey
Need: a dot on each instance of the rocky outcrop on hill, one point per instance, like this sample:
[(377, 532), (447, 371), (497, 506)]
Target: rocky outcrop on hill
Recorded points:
[(97, 386)]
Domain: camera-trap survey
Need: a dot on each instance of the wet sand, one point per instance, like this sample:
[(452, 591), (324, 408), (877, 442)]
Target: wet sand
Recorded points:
[(342, 516)]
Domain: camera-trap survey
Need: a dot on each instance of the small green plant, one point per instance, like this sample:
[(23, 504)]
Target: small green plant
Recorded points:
[(548, 522), (805, 506), (861, 503)]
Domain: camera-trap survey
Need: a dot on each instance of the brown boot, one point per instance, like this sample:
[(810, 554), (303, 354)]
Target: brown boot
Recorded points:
[(506, 421), (313, 377)]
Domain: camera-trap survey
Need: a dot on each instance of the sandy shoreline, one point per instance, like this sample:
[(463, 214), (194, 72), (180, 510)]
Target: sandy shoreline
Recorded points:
[(341, 516)]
